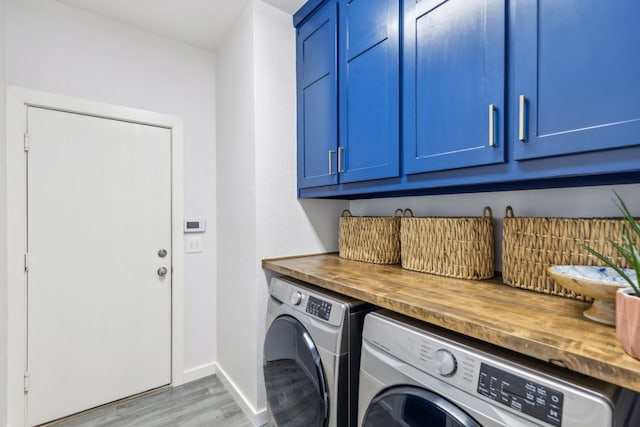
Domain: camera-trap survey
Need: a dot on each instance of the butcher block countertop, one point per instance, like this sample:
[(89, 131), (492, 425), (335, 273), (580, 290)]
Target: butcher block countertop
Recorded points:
[(544, 327)]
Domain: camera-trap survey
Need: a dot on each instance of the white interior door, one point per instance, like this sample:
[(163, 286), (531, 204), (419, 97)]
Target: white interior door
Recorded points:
[(99, 215)]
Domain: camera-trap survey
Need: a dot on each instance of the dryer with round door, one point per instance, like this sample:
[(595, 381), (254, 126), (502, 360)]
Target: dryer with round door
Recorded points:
[(417, 375), (311, 355)]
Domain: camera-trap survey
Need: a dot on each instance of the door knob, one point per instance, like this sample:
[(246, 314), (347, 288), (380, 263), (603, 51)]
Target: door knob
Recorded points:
[(162, 271), (162, 253)]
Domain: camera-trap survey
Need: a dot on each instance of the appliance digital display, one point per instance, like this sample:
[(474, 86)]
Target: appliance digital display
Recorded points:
[(319, 308), (195, 225), (522, 395)]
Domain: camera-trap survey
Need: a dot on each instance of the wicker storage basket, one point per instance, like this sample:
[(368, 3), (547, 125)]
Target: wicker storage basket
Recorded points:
[(460, 247), (374, 239), (530, 245)]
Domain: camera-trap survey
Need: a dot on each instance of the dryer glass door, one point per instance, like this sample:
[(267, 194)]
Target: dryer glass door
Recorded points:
[(414, 407), (293, 376)]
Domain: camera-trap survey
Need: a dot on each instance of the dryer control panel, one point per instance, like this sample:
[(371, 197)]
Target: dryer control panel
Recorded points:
[(512, 384), (520, 394), (307, 301), (319, 308)]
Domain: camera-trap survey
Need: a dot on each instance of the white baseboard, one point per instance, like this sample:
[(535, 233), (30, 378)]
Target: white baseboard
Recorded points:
[(198, 372), (256, 417)]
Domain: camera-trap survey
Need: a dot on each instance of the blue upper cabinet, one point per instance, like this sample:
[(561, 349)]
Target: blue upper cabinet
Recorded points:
[(453, 84), (435, 96), (369, 90), (576, 76), (317, 92)]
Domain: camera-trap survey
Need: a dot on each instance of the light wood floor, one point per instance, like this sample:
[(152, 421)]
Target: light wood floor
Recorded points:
[(200, 403)]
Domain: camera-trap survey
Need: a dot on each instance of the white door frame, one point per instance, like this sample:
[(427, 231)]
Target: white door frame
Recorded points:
[(18, 99)]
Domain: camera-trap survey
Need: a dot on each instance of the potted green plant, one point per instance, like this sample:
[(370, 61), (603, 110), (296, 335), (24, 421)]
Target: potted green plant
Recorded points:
[(627, 299)]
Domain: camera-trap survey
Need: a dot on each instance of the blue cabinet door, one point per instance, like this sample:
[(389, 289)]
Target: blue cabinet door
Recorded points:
[(369, 89), (453, 84), (317, 92), (576, 77)]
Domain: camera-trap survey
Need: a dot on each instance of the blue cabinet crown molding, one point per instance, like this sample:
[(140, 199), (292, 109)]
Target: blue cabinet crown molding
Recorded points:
[(308, 8)]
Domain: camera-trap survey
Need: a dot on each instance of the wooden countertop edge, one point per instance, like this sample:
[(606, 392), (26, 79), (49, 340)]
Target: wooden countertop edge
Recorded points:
[(266, 262), (608, 371)]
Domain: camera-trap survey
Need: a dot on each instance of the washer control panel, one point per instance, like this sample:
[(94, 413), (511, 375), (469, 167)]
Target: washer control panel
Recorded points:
[(319, 308), (307, 301), (533, 395), (520, 394)]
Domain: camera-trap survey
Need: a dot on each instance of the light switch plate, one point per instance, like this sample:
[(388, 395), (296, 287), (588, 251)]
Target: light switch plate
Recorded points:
[(193, 244)]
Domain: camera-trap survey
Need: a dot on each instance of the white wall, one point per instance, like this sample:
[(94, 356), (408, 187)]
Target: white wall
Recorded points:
[(259, 215), (3, 224), (55, 48), (236, 210)]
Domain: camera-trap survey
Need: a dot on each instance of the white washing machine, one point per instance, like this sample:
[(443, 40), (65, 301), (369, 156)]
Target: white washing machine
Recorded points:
[(416, 375), (312, 355)]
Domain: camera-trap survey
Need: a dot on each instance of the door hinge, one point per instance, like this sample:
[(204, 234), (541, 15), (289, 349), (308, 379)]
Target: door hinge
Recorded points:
[(26, 262), (27, 382), (27, 142)]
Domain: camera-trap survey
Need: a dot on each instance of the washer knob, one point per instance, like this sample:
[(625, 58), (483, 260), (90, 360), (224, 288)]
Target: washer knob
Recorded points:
[(296, 298), (445, 362)]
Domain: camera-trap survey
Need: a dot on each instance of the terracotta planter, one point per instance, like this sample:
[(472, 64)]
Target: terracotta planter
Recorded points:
[(628, 321)]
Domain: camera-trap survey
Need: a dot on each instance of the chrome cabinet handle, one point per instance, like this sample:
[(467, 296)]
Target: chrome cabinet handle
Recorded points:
[(331, 152), (521, 136), (162, 271), (492, 132), (340, 159)]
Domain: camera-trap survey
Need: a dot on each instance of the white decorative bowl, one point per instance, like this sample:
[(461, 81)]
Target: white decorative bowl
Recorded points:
[(599, 283)]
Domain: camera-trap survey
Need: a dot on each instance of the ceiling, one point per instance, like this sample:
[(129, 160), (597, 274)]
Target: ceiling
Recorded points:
[(201, 23)]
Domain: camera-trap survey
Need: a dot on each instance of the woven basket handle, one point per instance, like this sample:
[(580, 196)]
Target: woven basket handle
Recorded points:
[(346, 211), (398, 211), (487, 212), (508, 212), (407, 211)]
